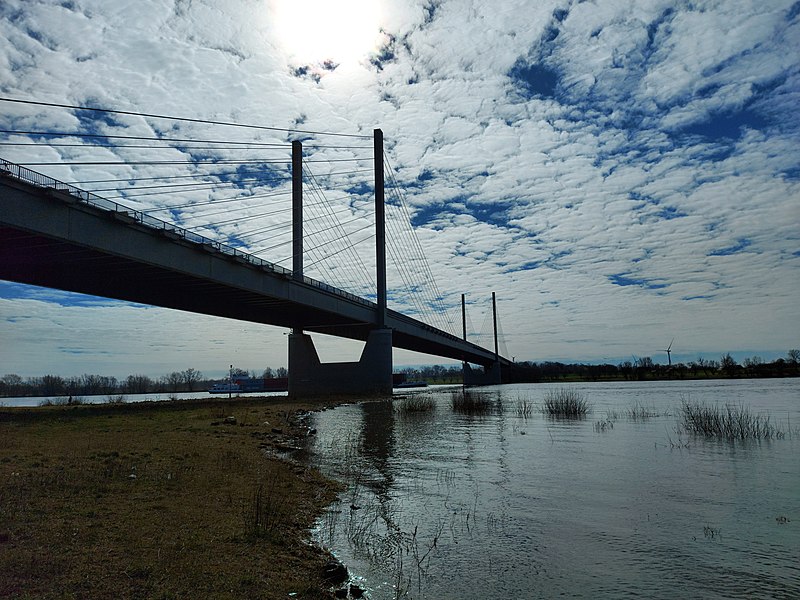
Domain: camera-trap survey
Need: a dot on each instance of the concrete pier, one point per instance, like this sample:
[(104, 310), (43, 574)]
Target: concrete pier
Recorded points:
[(371, 375), (487, 376)]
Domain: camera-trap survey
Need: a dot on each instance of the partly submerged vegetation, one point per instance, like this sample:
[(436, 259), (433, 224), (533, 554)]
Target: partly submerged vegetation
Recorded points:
[(416, 404), (728, 422), (565, 402), (638, 412), (471, 402)]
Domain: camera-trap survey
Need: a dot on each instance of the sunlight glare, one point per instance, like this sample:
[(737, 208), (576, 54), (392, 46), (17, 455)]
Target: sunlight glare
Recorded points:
[(315, 31)]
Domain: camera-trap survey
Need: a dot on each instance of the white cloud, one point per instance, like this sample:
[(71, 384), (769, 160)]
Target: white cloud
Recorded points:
[(603, 228)]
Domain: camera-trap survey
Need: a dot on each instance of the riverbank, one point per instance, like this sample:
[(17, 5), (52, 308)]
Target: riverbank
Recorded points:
[(185, 499)]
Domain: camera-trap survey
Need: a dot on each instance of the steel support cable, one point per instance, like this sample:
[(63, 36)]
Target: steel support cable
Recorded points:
[(430, 299), (369, 237), (233, 143), (221, 201), (316, 188), (167, 177), (433, 294), (261, 251), (411, 296), (204, 162), (284, 223), (414, 291), (418, 289), (273, 247), (406, 277), (205, 187), (501, 338), (318, 246), (470, 324), (144, 138), (180, 148), (346, 267), (261, 230), (182, 185), (185, 119), (235, 219), (484, 326), (213, 202), (415, 239)]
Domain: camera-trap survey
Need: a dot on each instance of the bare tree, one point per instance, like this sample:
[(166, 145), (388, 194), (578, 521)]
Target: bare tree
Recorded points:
[(191, 377)]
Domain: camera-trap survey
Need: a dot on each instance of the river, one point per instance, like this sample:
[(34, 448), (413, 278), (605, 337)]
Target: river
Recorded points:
[(515, 504)]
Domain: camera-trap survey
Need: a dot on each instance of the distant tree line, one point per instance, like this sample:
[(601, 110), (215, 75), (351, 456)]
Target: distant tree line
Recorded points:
[(92, 385), (642, 369), (190, 380)]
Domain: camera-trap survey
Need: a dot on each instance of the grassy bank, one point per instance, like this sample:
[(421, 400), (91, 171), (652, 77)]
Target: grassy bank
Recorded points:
[(163, 500)]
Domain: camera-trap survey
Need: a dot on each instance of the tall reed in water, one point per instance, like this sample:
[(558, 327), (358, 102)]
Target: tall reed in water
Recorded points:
[(565, 402), (729, 422)]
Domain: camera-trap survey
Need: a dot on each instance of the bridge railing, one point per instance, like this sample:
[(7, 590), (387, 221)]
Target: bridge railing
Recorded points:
[(125, 213)]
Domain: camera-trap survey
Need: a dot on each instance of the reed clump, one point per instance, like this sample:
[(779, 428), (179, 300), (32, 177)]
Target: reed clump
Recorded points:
[(728, 422), (417, 404), (524, 408), (468, 402), (565, 402), (638, 412)]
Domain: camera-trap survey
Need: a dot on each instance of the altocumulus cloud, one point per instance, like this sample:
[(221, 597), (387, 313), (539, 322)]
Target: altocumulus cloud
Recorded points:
[(620, 173)]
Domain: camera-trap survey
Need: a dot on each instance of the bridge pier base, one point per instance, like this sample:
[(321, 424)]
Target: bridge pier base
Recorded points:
[(371, 375), (487, 376)]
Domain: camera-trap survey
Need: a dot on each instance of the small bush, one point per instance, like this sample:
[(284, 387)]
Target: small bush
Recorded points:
[(470, 403), (640, 413), (415, 405), (603, 426), (726, 422), (565, 402), (524, 408)]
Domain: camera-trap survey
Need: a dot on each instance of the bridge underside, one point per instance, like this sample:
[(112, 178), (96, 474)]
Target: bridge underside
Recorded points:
[(38, 260)]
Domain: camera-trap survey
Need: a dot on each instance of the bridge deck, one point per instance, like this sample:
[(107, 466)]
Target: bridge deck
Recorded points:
[(57, 238)]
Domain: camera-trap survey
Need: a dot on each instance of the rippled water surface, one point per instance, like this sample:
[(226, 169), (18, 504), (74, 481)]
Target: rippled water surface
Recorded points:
[(514, 505)]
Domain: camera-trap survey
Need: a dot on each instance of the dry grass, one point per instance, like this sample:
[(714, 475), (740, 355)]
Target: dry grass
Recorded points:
[(159, 501)]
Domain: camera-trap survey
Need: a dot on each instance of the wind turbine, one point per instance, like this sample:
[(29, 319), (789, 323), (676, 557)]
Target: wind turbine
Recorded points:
[(669, 354)]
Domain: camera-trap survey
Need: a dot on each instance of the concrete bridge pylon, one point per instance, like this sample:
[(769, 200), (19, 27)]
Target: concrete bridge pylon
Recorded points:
[(372, 374)]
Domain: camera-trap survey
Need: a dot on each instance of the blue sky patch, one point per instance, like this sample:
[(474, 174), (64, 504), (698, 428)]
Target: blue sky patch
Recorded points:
[(793, 12), (739, 246), (624, 280), (494, 213), (364, 189), (533, 80), (18, 291), (726, 126)]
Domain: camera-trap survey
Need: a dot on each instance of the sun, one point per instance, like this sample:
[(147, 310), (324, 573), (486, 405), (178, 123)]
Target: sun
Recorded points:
[(317, 31)]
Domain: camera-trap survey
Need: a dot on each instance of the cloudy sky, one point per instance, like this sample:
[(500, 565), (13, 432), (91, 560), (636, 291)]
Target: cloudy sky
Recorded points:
[(620, 173)]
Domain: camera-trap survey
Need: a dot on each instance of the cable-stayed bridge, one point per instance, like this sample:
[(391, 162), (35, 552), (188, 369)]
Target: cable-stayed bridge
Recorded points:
[(60, 235)]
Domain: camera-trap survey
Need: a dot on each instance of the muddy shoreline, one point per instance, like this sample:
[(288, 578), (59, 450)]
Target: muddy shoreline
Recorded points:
[(191, 498)]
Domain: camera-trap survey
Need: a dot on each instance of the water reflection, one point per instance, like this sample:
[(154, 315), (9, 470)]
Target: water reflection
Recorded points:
[(377, 444), (513, 504)]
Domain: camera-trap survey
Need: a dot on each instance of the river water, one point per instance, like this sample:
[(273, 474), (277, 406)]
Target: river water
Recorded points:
[(515, 504)]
